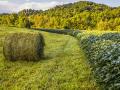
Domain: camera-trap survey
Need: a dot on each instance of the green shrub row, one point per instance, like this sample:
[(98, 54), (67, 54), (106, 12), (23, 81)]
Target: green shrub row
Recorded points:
[(58, 31), (103, 52)]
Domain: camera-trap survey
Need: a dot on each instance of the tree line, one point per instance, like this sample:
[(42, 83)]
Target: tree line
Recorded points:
[(81, 15)]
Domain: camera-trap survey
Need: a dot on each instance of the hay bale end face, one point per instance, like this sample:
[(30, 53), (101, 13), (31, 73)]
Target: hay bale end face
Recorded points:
[(24, 46)]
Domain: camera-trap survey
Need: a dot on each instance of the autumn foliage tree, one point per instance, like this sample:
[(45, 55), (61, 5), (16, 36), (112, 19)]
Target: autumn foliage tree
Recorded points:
[(81, 15)]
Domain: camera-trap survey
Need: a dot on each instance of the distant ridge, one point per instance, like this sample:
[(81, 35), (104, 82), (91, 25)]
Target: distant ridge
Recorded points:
[(82, 15)]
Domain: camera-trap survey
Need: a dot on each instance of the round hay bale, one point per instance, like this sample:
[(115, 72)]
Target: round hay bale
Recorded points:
[(24, 46)]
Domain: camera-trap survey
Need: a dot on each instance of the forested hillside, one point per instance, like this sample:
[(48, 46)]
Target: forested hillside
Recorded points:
[(81, 15)]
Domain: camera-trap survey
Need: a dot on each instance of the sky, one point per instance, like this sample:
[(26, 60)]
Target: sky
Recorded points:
[(9, 6)]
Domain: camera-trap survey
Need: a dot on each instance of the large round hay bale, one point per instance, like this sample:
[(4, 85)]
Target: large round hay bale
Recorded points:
[(24, 46)]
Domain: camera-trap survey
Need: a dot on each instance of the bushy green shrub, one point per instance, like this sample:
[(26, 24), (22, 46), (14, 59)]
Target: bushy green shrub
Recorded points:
[(58, 31), (111, 36), (103, 52), (105, 59)]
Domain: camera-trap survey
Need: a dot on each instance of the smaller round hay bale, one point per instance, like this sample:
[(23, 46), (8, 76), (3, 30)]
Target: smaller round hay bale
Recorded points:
[(24, 46)]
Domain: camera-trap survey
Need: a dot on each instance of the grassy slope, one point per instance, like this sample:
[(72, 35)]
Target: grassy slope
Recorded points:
[(64, 68)]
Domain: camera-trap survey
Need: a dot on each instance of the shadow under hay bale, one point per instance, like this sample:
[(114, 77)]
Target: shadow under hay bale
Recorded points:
[(24, 46)]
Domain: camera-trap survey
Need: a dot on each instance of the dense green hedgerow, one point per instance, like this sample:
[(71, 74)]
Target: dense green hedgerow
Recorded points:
[(58, 31), (111, 36), (105, 58), (23, 46), (103, 52)]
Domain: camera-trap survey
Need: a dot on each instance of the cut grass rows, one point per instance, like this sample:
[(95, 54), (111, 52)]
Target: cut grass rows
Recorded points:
[(65, 67)]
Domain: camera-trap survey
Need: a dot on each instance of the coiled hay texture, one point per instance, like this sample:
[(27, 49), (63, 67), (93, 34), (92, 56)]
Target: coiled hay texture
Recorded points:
[(24, 46)]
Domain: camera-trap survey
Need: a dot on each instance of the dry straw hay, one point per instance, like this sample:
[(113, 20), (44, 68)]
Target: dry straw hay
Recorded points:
[(24, 46)]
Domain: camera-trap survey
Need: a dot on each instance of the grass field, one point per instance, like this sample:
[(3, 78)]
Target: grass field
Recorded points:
[(64, 67)]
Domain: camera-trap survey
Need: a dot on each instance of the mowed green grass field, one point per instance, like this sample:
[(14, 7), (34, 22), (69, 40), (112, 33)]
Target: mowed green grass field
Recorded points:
[(64, 67)]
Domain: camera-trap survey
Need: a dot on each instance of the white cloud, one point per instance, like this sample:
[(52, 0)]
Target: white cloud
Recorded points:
[(15, 7), (3, 2), (27, 0), (7, 6), (37, 5)]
